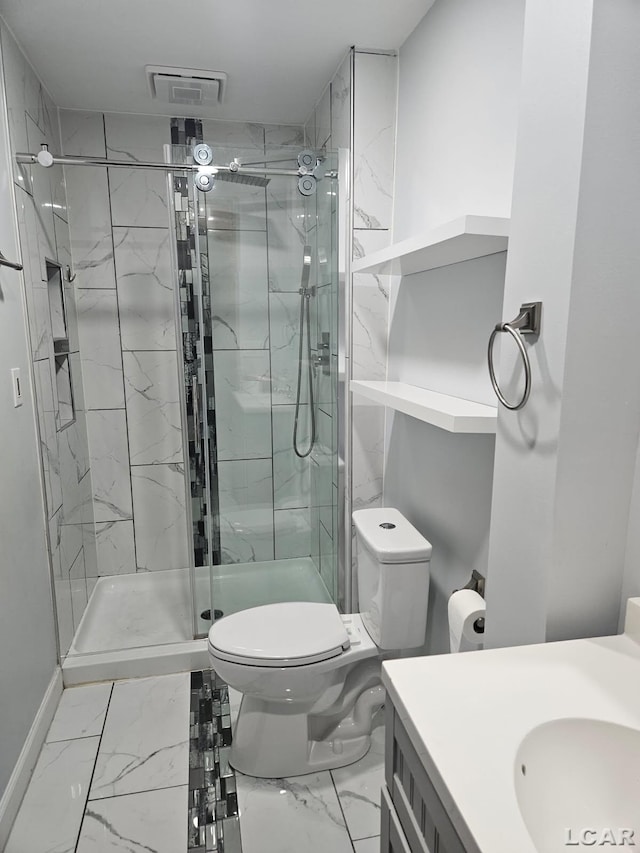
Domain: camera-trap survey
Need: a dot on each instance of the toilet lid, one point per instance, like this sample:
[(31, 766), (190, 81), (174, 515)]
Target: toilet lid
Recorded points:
[(292, 633)]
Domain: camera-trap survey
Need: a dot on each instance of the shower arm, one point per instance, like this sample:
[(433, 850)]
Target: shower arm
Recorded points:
[(46, 159)]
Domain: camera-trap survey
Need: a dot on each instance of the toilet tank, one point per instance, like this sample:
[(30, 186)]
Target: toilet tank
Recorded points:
[(393, 578)]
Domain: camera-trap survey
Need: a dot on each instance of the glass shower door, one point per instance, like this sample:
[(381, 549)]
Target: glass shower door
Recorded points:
[(264, 519)]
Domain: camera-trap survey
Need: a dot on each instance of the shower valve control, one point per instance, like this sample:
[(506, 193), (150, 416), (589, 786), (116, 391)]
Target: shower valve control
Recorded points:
[(323, 359)]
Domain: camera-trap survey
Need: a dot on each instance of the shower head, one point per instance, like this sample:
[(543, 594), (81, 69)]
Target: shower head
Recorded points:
[(306, 269), (242, 178), (203, 156)]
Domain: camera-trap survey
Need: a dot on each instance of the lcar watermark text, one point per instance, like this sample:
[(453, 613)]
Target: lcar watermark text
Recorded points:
[(606, 837)]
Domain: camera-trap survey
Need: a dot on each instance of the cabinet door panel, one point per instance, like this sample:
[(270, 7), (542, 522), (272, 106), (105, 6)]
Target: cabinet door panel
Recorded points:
[(392, 838)]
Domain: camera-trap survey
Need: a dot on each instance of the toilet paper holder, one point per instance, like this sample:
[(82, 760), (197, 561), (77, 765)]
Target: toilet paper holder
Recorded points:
[(477, 583)]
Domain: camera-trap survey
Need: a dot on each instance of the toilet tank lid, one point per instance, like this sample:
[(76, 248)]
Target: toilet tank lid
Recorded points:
[(399, 543)]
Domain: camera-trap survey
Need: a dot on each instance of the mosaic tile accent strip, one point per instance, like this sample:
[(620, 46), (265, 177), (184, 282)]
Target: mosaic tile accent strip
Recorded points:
[(196, 331), (214, 824)]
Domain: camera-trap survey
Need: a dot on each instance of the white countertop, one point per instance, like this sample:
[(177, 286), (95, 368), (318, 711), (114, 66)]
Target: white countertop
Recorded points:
[(466, 715)]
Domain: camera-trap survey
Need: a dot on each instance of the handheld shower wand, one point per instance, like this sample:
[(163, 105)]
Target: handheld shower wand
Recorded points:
[(306, 293)]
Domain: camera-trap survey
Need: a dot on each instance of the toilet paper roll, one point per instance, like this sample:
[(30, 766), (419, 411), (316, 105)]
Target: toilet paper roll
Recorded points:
[(465, 606)]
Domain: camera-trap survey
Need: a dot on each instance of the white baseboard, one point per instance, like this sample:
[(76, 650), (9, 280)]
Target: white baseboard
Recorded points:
[(19, 780)]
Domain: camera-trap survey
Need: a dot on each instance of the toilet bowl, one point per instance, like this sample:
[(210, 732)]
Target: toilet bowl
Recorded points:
[(310, 677)]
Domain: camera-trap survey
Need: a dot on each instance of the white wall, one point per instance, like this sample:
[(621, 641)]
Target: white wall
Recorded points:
[(457, 113), (631, 575), (27, 638), (440, 322), (564, 465), (442, 483)]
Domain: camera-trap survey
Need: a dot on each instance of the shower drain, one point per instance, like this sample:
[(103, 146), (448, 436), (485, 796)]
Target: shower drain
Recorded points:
[(206, 615)]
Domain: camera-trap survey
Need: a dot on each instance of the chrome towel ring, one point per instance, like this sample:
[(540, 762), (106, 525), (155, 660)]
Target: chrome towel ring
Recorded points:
[(526, 323)]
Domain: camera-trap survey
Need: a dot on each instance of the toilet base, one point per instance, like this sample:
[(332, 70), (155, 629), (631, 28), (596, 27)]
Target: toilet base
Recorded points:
[(271, 742)]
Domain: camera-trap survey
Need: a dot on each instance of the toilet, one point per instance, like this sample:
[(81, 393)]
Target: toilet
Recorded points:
[(310, 677)]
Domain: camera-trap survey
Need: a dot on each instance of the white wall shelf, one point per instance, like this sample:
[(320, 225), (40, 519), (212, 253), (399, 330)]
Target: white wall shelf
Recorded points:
[(453, 414), (459, 240)]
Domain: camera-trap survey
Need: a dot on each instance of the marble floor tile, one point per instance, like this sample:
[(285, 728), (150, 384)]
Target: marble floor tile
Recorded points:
[(358, 787), (81, 712), (290, 815), (367, 845), (145, 743), (136, 823), (51, 812)]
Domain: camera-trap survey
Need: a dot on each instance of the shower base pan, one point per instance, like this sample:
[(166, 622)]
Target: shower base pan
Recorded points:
[(139, 624)]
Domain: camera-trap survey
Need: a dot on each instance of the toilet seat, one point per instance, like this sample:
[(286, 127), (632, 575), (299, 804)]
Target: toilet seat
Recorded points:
[(292, 633)]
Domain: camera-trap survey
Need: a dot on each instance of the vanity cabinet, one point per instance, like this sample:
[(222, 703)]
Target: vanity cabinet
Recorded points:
[(414, 820)]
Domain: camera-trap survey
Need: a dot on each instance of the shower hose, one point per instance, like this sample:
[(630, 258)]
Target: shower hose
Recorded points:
[(305, 299)]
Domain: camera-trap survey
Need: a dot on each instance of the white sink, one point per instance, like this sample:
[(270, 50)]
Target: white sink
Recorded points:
[(578, 784), (569, 712)]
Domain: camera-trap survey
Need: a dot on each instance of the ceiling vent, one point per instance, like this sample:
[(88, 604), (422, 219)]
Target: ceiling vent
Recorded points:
[(186, 86)]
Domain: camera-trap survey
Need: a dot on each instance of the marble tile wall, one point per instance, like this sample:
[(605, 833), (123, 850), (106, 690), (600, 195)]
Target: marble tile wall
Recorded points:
[(374, 107), (120, 241), (325, 483), (255, 244), (44, 236)]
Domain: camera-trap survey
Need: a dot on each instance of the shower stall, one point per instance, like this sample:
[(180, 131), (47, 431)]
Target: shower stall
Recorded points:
[(252, 272), (257, 312)]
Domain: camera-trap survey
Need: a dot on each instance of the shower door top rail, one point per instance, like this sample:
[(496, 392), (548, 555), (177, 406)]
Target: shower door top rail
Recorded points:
[(66, 160)]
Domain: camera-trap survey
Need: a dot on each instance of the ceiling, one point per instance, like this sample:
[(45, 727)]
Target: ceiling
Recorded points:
[(278, 54)]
